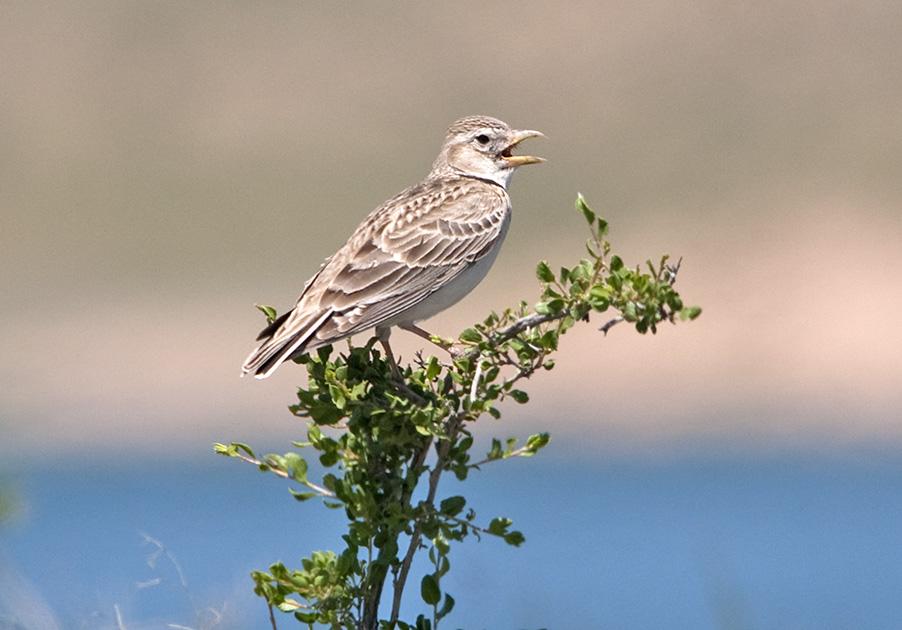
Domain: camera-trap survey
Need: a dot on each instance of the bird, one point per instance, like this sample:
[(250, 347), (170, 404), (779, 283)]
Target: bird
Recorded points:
[(412, 257)]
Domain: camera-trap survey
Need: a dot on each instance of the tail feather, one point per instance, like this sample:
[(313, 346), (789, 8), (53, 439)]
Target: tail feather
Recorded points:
[(270, 330), (289, 337)]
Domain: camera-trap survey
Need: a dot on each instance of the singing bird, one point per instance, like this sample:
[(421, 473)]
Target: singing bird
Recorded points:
[(412, 257)]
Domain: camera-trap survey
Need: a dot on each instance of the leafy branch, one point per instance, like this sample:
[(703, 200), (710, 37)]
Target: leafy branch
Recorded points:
[(379, 436)]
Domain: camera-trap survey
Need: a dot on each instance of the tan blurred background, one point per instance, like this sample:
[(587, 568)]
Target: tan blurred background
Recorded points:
[(164, 166)]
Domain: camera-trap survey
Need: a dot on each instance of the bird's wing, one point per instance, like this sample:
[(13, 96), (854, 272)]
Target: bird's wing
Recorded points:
[(409, 248)]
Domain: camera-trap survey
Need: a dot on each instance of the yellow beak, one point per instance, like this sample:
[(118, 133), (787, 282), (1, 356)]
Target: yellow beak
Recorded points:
[(517, 137)]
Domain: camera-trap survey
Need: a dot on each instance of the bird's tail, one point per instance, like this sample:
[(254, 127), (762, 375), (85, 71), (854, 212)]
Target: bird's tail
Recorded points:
[(286, 337)]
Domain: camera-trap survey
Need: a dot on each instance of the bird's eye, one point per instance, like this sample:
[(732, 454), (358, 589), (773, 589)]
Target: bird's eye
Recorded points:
[(482, 139)]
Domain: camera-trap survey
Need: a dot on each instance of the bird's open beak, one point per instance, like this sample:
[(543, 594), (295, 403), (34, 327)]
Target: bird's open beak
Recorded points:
[(516, 138)]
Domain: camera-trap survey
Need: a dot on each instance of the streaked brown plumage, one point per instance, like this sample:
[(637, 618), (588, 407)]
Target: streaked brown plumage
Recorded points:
[(415, 255)]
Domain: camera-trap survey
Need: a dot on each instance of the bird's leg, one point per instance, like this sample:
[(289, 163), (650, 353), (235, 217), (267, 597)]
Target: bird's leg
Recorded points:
[(444, 345), (383, 334)]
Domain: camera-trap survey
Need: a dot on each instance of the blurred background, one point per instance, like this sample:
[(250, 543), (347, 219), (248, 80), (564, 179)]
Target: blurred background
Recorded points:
[(164, 166)]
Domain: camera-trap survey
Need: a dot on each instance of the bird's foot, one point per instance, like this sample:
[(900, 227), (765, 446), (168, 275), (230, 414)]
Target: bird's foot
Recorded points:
[(445, 344)]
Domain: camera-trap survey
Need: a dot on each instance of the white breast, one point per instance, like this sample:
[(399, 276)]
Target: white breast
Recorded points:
[(458, 288)]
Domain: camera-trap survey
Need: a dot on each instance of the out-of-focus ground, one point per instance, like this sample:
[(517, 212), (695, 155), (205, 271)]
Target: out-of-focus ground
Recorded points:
[(163, 166)]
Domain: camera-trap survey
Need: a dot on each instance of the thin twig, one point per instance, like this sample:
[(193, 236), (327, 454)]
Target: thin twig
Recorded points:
[(374, 592), (475, 528), (257, 462), (525, 371), (281, 473), (515, 453), (454, 425), (403, 389), (530, 321), (325, 492), (272, 617), (610, 324), (476, 377)]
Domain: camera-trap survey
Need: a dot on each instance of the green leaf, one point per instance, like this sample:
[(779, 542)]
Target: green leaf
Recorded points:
[(329, 458), (446, 607), (289, 605), (602, 227), (452, 506), (542, 308), (583, 207), (231, 449), (269, 311), (616, 263), (441, 545), (674, 302), (519, 395), (432, 368), (244, 447), (471, 335), (544, 273), (444, 565), (690, 312), (515, 538), (429, 590), (324, 413), (302, 496), (295, 466), (499, 526), (496, 451), (511, 445), (536, 442), (600, 297), (331, 482), (553, 305), (629, 312), (564, 274)]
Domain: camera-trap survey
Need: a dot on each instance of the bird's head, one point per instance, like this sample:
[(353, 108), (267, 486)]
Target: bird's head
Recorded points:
[(482, 146)]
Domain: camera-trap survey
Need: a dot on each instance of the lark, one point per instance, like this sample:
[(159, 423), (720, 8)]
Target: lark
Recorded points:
[(417, 254)]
